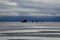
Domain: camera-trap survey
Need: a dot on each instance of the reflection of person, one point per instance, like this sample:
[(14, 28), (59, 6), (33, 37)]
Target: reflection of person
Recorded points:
[(24, 21)]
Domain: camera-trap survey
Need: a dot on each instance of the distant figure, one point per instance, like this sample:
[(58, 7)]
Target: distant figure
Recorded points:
[(32, 21), (24, 21)]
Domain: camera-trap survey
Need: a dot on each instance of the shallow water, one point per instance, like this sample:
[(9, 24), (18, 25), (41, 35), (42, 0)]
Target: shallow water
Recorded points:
[(19, 31)]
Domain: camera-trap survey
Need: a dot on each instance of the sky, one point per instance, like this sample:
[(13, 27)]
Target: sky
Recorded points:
[(29, 7)]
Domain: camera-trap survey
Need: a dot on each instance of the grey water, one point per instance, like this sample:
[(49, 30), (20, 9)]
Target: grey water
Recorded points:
[(30, 31)]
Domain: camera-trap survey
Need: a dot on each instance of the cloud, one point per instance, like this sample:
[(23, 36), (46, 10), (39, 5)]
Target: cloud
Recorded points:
[(8, 3), (11, 3), (45, 1), (9, 14), (30, 7)]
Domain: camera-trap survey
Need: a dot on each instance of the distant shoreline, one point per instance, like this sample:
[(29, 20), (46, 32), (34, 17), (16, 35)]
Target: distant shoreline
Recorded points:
[(29, 18)]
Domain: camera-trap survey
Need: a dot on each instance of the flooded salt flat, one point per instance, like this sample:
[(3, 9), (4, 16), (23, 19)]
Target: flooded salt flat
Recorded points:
[(29, 38), (29, 31), (18, 25)]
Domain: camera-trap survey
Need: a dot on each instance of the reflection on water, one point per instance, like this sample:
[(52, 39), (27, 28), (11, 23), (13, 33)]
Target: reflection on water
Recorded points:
[(19, 39), (29, 31), (18, 25)]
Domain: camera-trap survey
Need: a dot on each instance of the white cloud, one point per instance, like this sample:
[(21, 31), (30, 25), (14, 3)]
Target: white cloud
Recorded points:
[(11, 3), (9, 14), (8, 3)]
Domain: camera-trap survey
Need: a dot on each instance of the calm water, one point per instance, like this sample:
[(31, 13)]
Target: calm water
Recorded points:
[(18, 28)]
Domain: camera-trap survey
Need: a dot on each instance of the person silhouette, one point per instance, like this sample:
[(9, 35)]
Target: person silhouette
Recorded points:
[(24, 20), (32, 21)]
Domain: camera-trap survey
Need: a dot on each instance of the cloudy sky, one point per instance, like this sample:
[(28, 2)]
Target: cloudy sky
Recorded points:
[(29, 7)]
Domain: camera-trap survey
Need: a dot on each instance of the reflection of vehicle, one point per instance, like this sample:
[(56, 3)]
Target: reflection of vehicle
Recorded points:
[(30, 19)]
